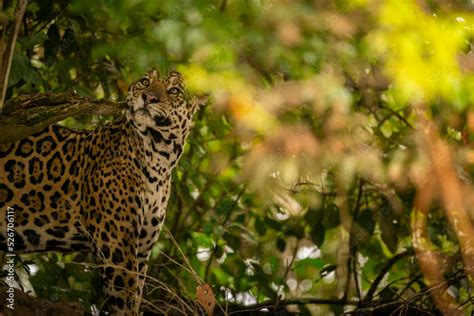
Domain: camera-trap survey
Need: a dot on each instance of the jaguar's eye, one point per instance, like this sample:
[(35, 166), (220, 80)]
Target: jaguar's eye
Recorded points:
[(173, 91), (145, 82)]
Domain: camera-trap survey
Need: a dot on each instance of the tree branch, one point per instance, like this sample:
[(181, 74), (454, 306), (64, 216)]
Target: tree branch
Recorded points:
[(7, 55), (383, 272), (30, 306), (270, 304), (28, 114)]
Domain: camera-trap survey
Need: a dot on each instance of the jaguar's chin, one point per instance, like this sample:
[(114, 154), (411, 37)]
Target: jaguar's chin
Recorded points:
[(142, 116), (142, 112)]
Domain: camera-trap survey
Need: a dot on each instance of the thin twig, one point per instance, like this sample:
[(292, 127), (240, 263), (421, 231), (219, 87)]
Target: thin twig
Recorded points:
[(188, 264), (409, 284), (401, 118), (382, 273), (287, 270), (186, 260)]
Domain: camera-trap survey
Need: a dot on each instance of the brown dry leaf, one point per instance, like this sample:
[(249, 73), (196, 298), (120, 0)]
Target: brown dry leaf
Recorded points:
[(206, 298)]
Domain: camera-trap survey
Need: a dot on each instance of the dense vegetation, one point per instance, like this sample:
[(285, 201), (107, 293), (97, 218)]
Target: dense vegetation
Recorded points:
[(331, 170)]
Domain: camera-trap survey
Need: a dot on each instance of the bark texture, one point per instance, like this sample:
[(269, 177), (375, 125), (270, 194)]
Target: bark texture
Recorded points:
[(25, 305), (27, 114)]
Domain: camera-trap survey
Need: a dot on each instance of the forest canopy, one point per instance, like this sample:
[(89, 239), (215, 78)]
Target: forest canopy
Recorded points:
[(331, 170)]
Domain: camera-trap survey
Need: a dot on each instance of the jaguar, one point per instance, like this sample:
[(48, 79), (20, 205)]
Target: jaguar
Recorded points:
[(103, 191)]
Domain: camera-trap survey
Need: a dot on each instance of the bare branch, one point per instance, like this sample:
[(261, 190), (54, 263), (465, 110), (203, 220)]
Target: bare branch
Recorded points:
[(28, 114)]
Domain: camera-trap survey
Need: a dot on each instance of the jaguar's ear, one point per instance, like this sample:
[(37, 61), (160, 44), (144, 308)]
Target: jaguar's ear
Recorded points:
[(198, 101)]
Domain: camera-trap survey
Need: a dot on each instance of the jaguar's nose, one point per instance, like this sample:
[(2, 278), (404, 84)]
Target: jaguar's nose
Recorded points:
[(149, 98)]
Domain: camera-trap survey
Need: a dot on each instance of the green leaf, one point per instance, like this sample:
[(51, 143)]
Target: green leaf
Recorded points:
[(314, 216), (218, 251), (281, 244), (33, 40), (203, 240), (32, 7), (225, 206), (306, 267), (276, 225), (295, 228), (232, 240), (364, 228), (317, 234), (240, 218), (337, 309), (389, 225), (53, 33), (331, 216), (327, 269), (20, 69), (260, 227)]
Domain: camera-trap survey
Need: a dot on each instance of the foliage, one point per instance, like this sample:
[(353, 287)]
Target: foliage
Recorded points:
[(303, 176)]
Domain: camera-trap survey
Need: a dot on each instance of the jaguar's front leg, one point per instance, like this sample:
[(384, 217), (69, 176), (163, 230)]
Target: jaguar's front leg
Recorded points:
[(142, 271), (149, 233), (120, 272)]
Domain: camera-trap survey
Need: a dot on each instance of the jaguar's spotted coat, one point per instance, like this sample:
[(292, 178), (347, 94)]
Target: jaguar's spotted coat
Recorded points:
[(104, 190)]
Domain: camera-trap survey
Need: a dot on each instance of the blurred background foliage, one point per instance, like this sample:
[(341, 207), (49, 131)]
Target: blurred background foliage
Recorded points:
[(301, 173)]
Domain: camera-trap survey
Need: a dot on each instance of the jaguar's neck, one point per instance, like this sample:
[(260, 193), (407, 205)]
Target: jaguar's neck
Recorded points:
[(159, 148)]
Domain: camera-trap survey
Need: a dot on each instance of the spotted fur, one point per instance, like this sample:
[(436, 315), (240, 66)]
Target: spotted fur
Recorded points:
[(104, 190)]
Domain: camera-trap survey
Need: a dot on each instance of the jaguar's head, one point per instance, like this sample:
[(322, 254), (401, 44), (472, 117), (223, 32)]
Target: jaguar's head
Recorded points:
[(158, 106)]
